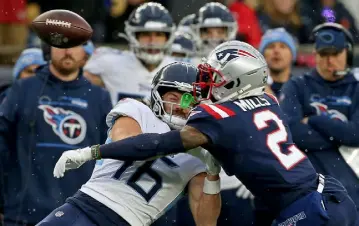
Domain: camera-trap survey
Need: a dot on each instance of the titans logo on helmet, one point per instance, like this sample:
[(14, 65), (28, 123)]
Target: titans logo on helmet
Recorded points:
[(229, 54), (69, 126)]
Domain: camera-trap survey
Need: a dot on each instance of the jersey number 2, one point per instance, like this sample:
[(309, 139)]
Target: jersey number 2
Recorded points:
[(144, 169), (277, 138)]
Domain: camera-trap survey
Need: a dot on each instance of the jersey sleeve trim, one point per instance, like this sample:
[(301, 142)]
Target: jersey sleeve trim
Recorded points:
[(217, 111)]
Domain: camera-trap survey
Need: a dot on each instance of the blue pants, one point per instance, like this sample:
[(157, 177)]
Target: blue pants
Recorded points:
[(66, 215), (70, 215), (331, 206)]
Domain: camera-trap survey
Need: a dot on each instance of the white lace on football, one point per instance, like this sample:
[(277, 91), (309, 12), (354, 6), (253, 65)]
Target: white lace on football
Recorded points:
[(58, 23)]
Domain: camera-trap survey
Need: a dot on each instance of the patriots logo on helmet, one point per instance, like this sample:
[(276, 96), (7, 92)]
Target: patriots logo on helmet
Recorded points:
[(322, 109), (69, 126), (229, 54)]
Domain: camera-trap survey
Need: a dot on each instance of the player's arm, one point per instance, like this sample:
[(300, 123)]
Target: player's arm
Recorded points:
[(94, 79), (304, 135), (205, 208), (125, 127), (151, 145), (343, 133)]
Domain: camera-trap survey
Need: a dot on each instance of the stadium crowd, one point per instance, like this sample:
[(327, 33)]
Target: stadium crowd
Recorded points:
[(59, 99)]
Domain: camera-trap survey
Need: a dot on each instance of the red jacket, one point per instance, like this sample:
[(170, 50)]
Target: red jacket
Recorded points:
[(248, 24), (12, 11)]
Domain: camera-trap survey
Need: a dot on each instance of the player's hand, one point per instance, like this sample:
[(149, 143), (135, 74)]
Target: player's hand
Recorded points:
[(212, 165), (305, 120), (72, 159), (244, 193)]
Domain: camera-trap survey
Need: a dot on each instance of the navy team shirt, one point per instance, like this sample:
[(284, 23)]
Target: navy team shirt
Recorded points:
[(250, 140)]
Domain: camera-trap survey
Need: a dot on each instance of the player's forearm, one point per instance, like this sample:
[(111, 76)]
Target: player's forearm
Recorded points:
[(345, 133), (142, 147), (209, 207), (308, 138)]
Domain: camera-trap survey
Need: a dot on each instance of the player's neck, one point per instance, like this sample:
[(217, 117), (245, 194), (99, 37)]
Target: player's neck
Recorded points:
[(151, 67), (62, 77), (281, 76)]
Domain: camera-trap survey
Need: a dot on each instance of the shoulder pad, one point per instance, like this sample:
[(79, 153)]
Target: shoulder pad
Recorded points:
[(106, 50), (128, 107)]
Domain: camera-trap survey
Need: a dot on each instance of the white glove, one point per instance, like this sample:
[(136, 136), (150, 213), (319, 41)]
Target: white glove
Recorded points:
[(212, 165), (244, 193), (72, 159)]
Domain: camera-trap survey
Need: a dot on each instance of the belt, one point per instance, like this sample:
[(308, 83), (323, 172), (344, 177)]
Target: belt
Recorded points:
[(321, 183)]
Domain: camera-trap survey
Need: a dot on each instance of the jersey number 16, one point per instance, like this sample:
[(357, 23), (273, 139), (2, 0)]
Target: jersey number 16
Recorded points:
[(146, 168)]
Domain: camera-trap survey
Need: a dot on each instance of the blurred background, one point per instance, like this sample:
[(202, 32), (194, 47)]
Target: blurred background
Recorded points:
[(107, 19)]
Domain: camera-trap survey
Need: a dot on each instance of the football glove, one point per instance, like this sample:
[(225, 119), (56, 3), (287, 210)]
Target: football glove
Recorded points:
[(72, 159)]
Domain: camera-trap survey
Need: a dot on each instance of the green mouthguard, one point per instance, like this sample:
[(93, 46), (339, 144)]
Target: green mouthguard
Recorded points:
[(186, 100)]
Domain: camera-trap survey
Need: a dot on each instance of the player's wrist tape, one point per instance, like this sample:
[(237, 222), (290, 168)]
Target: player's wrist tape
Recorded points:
[(211, 187), (95, 152)]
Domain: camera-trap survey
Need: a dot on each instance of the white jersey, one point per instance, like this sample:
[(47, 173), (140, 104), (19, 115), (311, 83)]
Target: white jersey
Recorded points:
[(122, 73), (140, 192)]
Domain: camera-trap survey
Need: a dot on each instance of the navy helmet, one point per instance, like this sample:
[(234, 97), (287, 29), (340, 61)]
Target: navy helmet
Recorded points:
[(150, 17), (213, 14), (183, 46), (177, 76)]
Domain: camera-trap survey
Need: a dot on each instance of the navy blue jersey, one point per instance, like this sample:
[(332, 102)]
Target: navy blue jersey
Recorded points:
[(252, 142)]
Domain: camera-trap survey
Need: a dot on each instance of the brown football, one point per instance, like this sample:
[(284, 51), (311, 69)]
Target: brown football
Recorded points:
[(62, 28)]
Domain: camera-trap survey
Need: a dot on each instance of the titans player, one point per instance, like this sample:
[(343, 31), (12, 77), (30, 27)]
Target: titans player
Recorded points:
[(243, 129)]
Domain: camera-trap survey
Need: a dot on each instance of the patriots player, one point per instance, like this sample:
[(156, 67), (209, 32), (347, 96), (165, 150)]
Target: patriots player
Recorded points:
[(138, 193), (150, 32), (212, 25), (244, 130)]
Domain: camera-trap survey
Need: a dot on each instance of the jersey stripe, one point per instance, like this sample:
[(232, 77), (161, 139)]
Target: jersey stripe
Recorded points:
[(210, 111), (226, 110), (217, 112)]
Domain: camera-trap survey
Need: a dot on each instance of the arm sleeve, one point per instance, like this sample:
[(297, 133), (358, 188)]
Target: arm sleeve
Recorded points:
[(343, 133), (8, 112), (202, 120), (303, 135)]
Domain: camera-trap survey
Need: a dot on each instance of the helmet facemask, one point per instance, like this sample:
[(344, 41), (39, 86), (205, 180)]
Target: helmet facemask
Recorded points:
[(206, 45), (143, 52), (174, 121), (207, 79)]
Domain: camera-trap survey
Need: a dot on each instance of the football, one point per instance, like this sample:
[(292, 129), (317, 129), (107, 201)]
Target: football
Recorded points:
[(62, 28)]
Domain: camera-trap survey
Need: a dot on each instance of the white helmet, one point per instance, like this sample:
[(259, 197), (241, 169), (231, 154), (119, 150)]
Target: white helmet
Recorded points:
[(233, 70)]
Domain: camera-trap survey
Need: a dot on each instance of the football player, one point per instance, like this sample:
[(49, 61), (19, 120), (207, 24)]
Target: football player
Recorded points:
[(150, 32), (138, 193), (243, 128), (212, 25)]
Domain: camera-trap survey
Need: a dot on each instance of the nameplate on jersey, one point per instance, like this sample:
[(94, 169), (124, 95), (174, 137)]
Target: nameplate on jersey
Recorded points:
[(252, 103)]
